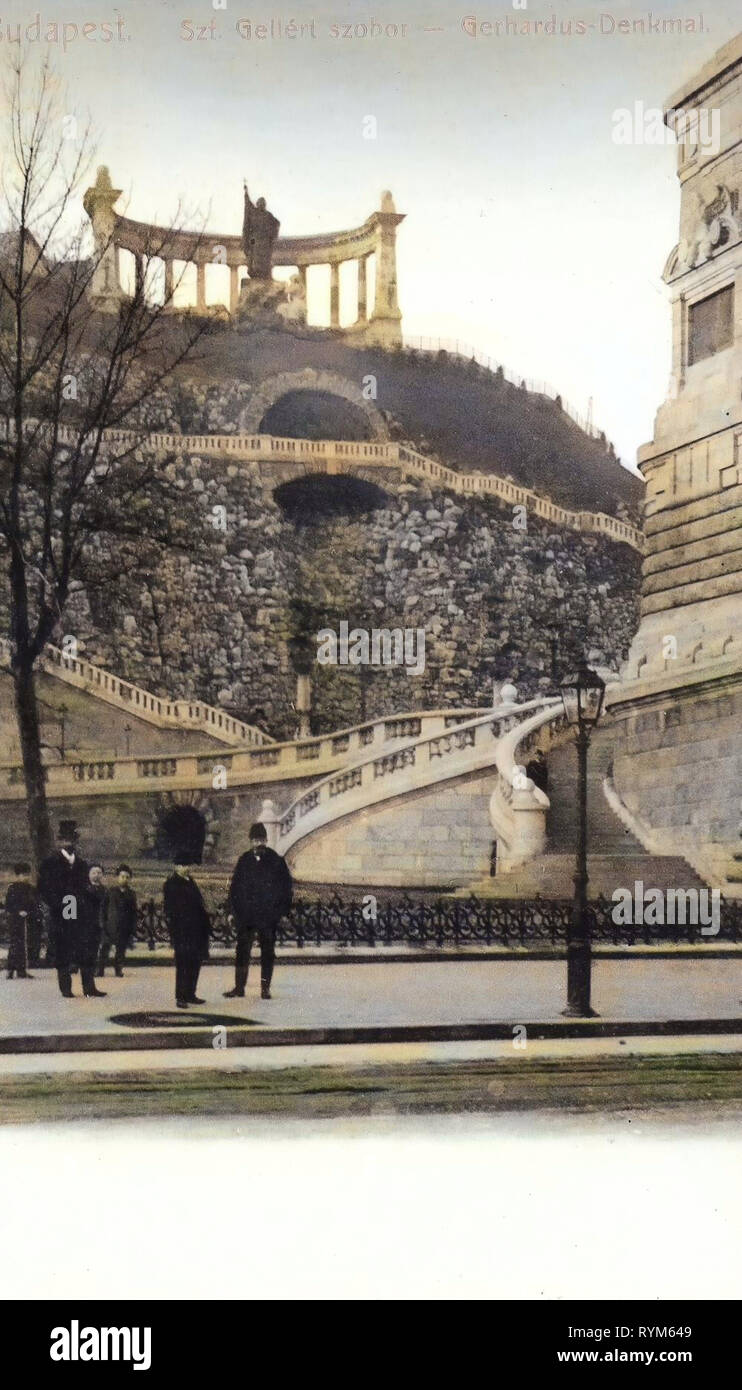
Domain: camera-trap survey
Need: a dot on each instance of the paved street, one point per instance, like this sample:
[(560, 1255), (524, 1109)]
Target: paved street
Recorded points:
[(341, 996)]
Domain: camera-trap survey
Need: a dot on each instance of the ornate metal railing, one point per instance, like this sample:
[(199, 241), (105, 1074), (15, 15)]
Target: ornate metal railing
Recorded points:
[(444, 922)]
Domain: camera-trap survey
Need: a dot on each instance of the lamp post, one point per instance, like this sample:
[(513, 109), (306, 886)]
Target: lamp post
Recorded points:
[(582, 694)]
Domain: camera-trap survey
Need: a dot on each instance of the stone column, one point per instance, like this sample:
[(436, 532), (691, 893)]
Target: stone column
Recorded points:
[(335, 295), (140, 270), (304, 704), (386, 316), (169, 282), (99, 202), (362, 313), (385, 303), (234, 287), (200, 286)]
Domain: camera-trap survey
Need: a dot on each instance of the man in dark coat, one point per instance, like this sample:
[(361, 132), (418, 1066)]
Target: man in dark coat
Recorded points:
[(24, 923), (259, 896), (119, 920), (63, 885), (189, 927)]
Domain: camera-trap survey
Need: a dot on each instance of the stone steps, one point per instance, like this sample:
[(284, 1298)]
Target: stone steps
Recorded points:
[(552, 875), (616, 858)]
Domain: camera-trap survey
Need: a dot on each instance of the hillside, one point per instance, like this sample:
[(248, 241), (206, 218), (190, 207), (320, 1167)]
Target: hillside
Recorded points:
[(471, 417)]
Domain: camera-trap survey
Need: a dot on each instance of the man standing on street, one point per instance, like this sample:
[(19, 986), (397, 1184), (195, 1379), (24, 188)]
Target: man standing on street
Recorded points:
[(189, 926), (119, 921), (63, 885), (259, 896)]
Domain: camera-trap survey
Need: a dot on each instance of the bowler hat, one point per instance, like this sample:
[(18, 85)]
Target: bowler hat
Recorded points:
[(68, 830), (258, 831)]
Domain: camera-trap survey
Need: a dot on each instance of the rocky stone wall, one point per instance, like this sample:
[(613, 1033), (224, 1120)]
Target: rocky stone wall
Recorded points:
[(495, 603)]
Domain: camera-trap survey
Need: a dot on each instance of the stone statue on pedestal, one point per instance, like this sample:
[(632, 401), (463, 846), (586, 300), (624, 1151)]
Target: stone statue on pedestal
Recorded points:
[(259, 234)]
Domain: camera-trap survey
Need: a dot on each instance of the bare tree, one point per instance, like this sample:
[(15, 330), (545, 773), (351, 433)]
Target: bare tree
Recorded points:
[(72, 369)]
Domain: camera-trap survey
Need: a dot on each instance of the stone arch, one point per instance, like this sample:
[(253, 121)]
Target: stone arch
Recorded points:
[(184, 801), (274, 387)]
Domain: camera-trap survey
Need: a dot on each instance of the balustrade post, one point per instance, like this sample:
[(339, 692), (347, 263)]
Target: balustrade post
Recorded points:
[(270, 818)]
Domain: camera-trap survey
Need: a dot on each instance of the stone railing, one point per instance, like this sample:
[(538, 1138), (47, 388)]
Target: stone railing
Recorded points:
[(334, 456), (155, 709), (233, 768), (428, 759), (518, 807)]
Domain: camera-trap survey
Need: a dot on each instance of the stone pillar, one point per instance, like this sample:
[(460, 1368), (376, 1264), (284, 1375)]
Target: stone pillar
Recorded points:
[(169, 282), (335, 295), (200, 286), (140, 270), (99, 202), (362, 313), (234, 287), (270, 818), (386, 318), (304, 704)]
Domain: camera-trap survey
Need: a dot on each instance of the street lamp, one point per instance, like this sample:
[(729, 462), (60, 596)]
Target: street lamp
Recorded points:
[(582, 694)]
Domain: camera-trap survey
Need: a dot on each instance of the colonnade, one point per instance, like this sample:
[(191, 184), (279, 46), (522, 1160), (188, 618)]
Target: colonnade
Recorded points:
[(147, 242)]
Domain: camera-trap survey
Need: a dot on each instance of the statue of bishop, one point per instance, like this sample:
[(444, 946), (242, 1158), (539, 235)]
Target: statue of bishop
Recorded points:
[(259, 234)]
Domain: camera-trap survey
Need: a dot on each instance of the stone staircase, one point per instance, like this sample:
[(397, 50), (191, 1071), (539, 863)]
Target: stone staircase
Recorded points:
[(616, 859)]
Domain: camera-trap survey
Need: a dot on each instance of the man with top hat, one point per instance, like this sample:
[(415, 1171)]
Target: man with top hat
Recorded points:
[(64, 884), (259, 896), (189, 926)]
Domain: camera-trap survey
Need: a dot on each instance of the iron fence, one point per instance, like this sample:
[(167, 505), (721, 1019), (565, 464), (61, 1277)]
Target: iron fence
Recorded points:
[(447, 922), (444, 922)]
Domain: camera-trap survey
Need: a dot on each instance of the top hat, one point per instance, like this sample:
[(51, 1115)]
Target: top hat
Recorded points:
[(68, 830), (182, 858)]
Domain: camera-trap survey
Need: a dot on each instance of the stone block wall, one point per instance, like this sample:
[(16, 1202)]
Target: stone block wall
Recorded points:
[(678, 764), (438, 837)]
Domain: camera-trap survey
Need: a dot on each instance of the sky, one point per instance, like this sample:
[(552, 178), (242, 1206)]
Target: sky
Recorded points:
[(529, 234)]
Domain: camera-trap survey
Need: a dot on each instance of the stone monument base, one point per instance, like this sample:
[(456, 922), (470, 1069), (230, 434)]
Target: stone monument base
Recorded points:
[(677, 767)]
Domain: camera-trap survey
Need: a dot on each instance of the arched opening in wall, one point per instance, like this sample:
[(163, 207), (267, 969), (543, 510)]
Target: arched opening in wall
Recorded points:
[(313, 499), (316, 415), (180, 830)]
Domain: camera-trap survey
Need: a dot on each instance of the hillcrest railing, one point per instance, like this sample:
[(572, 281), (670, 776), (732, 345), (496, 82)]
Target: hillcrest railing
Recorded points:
[(332, 456)]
